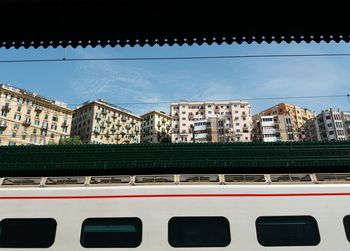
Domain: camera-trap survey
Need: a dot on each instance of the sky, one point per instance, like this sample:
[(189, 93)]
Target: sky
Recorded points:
[(131, 84)]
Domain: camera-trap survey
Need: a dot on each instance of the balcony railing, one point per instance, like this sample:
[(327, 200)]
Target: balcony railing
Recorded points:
[(104, 111), (96, 131), (127, 126), (6, 108), (3, 124), (97, 116), (65, 124), (38, 108), (26, 123), (123, 118)]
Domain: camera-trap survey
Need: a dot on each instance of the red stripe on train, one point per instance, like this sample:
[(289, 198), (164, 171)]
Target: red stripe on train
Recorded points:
[(167, 196)]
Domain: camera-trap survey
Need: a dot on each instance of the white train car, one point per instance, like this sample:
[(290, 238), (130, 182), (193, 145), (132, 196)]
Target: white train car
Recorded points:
[(176, 212)]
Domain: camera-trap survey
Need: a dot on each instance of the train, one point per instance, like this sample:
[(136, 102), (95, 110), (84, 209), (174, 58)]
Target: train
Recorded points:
[(252, 212)]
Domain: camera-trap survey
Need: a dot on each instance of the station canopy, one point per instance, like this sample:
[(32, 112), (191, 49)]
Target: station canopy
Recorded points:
[(44, 23)]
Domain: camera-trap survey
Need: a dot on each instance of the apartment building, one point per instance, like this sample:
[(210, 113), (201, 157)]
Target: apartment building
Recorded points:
[(298, 115), (28, 118), (235, 114), (155, 127), (99, 122), (209, 130), (330, 125), (273, 128), (346, 121)]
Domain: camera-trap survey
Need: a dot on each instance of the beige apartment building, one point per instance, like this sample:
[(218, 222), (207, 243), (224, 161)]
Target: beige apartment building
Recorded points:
[(236, 117), (155, 127), (99, 122), (28, 118), (298, 115)]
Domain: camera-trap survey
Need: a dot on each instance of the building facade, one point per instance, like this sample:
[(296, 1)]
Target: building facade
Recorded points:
[(28, 118), (330, 125), (155, 127), (235, 114), (99, 122), (298, 115), (209, 130), (273, 128)]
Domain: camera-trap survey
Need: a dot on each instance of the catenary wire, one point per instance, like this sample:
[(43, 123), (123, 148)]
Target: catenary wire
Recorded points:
[(220, 100), (64, 59)]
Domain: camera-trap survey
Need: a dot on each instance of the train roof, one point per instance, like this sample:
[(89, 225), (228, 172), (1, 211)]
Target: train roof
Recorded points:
[(42, 23), (186, 158)]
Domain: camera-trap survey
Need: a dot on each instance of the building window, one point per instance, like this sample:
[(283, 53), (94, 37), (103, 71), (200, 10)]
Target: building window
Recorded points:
[(190, 232), (17, 117), (29, 111), (275, 231), (13, 135), (55, 118), (19, 108), (16, 126), (111, 233)]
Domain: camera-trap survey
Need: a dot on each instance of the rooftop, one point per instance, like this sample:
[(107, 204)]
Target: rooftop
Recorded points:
[(33, 95)]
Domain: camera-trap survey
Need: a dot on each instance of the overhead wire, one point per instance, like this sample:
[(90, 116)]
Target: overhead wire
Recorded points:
[(216, 100), (67, 59)]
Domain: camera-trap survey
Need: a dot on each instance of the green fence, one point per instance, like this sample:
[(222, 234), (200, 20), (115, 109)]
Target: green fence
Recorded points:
[(175, 158)]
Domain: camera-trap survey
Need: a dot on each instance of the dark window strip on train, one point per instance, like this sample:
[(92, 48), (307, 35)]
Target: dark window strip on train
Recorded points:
[(346, 222), (27, 233), (199, 232), (111, 233), (287, 231)]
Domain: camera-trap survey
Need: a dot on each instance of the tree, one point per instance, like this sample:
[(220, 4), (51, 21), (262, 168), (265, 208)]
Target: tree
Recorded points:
[(71, 141)]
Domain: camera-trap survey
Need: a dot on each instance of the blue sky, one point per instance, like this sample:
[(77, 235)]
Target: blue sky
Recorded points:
[(121, 82)]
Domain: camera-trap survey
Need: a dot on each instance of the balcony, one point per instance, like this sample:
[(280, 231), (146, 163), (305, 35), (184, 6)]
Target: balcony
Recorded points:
[(26, 122), (113, 129), (3, 124), (159, 124), (168, 127), (38, 108), (137, 129), (65, 124), (104, 111), (97, 116), (96, 131), (123, 118), (6, 108), (114, 115), (133, 122), (103, 125), (127, 126)]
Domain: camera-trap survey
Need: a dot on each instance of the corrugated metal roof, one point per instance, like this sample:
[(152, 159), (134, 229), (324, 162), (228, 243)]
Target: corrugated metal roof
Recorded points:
[(35, 23), (175, 158)]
